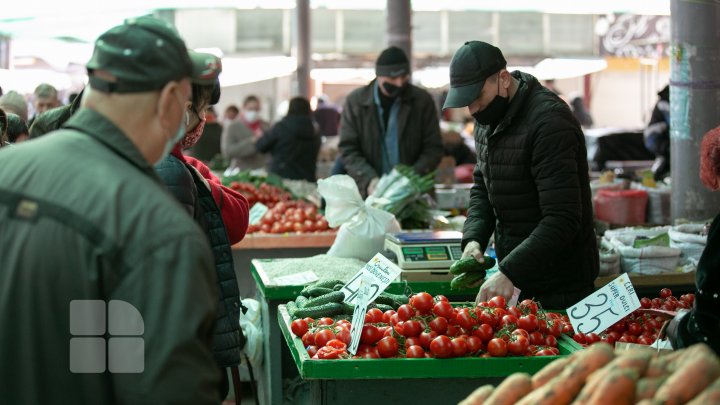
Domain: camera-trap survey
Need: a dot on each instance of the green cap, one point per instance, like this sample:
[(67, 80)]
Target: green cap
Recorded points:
[(144, 54), (471, 65)]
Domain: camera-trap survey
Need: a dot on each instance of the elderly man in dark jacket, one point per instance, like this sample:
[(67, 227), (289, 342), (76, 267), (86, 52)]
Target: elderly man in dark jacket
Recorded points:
[(389, 122), (531, 182)]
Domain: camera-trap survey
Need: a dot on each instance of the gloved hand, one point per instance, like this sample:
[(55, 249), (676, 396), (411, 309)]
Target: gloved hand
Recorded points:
[(373, 184), (497, 284), (473, 249)]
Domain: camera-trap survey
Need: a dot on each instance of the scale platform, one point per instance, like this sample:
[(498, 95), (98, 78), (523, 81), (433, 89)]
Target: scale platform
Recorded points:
[(425, 250)]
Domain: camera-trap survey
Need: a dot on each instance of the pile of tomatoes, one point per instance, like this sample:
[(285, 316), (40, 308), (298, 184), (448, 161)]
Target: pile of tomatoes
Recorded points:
[(430, 327), (640, 328), (265, 193), (291, 216)]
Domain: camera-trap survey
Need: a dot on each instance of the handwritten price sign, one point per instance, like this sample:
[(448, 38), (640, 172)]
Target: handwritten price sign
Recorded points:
[(378, 273), (604, 307)]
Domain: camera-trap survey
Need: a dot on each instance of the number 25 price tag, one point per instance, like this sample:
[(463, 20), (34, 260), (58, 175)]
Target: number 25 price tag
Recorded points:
[(604, 307)]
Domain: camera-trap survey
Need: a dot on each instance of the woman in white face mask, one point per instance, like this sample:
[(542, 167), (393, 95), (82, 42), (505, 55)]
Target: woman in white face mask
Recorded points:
[(251, 116), (204, 197)]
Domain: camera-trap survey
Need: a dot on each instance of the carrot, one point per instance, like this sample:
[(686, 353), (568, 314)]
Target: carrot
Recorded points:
[(649, 402), (647, 387), (617, 389), (548, 372), (636, 360), (658, 367), (511, 390), (563, 388), (710, 396), (478, 396), (690, 378)]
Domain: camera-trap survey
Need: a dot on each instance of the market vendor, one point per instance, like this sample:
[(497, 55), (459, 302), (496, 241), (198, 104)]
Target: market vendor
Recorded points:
[(702, 323), (531, 182)]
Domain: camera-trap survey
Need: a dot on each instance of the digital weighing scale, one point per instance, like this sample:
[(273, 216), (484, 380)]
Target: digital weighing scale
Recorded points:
[(425, 250)]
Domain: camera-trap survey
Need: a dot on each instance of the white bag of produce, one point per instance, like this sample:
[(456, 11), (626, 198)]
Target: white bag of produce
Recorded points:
[(362, 228), (609, 259), (651, 260), (251, 325), (690, 239)]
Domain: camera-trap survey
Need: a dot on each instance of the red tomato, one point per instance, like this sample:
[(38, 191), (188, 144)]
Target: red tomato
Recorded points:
[(543, 326), (466, 320), (299, 327), (544, 352), (591, 338), (619, 327), (376, 314), (325, 321), (521, 332), (412, 341), (344, 336), (497, 348), (551, 341), (645, 340), (323, 336), (388, 347), (386, 316), (555, 328), (474, 345), (460, 347), (497, 301), (415, 352), (645, 302), (370, 334), (528, 322), (423, 302), (509, 320), (336, 344), (344, 324), (312, 350), (441, 297), (439, 325), (441, 347), (426, 338), (453, 330), (665, 293), (634, 329), (412, 328), (444, 309), (537, 338), (514, 311), (499, 313), (308, 339), (656, 303), (518, 345), (488, 318), (688, 298), (405, 312), (626, 338), (528, 306), (580, 338), (330, 353), (484, 332)]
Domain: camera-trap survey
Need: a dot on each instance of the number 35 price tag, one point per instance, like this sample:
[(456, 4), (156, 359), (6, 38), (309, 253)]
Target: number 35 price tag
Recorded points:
[(604, 307)]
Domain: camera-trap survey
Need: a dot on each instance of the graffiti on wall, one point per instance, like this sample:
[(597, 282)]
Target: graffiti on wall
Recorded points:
[(633, 36)]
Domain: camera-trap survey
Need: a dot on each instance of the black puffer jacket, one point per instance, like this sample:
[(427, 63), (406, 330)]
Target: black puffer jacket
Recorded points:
[(293, 144), (532, 188), (185, 183)]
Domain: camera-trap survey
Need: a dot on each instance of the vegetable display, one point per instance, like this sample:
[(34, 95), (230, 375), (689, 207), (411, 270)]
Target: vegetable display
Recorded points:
[(423, 326), (468, 272), (598, 375)]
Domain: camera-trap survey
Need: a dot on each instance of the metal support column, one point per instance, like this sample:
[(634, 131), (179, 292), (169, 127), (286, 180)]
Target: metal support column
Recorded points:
[(4, 52), (303, 48), (399, 28), (694, 106)]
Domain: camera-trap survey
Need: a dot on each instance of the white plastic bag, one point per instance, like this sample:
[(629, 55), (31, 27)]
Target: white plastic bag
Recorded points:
[(251, 325), (362, 228), (688, 238), (651, 260)]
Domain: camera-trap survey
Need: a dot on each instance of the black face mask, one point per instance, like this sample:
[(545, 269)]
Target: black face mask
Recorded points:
[(392, 90), (494, 112)]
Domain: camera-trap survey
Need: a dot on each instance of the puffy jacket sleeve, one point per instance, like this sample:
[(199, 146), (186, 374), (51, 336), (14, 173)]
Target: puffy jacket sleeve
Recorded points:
[(173, 287), (178, 182), (432, 149), (350, 144), (480, 223), (555, 172), (267, 142), (233, 205)]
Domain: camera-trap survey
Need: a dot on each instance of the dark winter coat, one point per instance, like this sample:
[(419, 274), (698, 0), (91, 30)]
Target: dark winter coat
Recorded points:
[(293, 144), (532, 189)]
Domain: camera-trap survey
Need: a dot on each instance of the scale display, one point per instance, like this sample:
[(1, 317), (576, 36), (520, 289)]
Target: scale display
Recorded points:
[(425, 251)]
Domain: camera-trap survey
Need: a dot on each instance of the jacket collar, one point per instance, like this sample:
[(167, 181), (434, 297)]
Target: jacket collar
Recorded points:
[(369, 99), (98, 127), (525, 81)]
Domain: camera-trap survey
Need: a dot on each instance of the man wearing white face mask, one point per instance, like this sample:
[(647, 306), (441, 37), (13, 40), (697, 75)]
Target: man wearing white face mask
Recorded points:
[(86, 224)]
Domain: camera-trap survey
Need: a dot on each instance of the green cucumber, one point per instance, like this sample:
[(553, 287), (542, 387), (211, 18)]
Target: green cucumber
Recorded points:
[(466, 280), (301, 301), (334, 296), (330, 309), (312, 292), (327, 283), (469, 265), (291, 308), (384, 307)]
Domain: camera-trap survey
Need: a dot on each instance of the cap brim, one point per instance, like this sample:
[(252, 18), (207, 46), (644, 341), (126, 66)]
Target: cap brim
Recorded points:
[(206, 67), (462, 96)]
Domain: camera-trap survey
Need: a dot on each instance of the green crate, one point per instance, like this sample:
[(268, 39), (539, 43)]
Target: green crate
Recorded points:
[(363, 369)]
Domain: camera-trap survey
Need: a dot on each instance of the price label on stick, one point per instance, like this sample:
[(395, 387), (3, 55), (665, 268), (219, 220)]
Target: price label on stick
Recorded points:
[(604, 307), (358, 319), (378, 273), (256, 213)]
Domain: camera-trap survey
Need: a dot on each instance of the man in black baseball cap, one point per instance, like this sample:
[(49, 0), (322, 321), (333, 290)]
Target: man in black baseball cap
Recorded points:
[(89, 231), (389, 122), (531, 182)]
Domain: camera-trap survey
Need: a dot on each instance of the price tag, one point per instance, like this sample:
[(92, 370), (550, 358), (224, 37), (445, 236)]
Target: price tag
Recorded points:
[(378, 273), (256, 212), (358, 318), (604, 307)]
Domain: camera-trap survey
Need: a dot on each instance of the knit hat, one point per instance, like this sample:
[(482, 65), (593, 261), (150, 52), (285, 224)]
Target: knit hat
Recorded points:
[(13, 102), (392, 62)]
